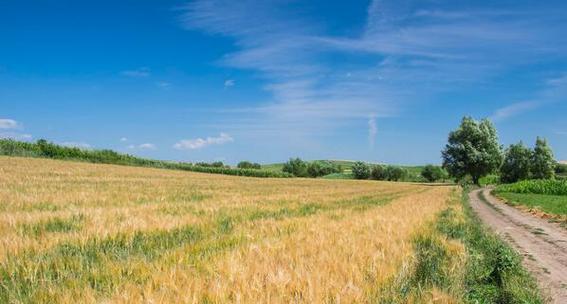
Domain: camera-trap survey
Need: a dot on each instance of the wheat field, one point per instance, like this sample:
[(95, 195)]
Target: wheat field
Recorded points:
[(86, 233)]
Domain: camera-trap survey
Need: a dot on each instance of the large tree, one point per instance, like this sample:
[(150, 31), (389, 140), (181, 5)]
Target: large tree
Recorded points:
[(543, 162), (516, 165), (472, 150)]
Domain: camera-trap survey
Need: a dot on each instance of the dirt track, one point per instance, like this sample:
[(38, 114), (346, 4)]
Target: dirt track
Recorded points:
[(542, 244)]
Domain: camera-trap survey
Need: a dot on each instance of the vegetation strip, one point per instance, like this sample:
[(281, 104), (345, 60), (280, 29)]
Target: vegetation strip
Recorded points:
[(46, 149), (492, 273)]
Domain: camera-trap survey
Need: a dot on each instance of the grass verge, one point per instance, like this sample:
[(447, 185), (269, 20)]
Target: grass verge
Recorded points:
[(492, 271)]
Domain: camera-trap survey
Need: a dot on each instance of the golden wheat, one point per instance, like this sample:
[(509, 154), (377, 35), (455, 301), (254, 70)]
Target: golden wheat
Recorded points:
[(81, 232)]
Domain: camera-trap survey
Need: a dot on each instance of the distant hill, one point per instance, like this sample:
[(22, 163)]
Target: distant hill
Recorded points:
[(563, 162)]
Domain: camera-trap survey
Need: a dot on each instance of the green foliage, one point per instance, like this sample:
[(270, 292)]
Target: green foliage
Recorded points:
[(248, 165), (491, 179), (395, 173), (540, 186), (560, 169), (433, 173), (321, 168), (296, 166), (516, 165), (360, 170), (49, 150), (493, 271), (472, 150), (543, 162), (377, 172)]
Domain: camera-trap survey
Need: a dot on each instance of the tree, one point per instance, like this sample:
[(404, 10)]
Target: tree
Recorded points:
[(433, 173), (295, 166), (472, 150), (360, 170), (314, 169), (393, 173), (248, 165), (377, 172), (543, 162), (516, 165)]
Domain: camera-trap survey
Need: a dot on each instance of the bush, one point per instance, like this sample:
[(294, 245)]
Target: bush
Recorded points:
[(377, 172), (540, 186), (360, 170), (433, 173), (561, 169), (295, 166), (516, 165), (248, 165), (393, 173)]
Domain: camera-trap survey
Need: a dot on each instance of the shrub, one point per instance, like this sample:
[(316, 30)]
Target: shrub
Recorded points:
[(516, 165), (248, 165), (314, 169), (560, 169), (393, 173), (360, 170), (295, 166), (433, 173), (377, 172)]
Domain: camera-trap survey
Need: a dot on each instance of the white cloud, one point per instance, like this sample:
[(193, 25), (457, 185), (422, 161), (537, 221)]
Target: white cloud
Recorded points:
[(137, 73), (6, 123), (123, 139), (198, 143), (80, 145), (229, 83), (372, 131), (147, 146)]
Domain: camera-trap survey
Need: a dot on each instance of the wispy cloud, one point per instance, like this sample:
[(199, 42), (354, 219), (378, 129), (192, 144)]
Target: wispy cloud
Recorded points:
[(147, 146), (229, 83), (412, 52), (554, 91), (372, 131), (137, 73), (123, 139), (199, 143), (6, 123)]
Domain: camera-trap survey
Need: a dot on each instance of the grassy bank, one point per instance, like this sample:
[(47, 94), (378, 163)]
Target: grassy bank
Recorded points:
[(458, 258)]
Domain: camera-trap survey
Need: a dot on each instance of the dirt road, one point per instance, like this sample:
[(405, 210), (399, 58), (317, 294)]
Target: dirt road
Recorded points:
[(542, 244)]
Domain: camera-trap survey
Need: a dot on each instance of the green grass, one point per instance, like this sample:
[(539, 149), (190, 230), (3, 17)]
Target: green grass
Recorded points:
[(554, 204), (493, 271)]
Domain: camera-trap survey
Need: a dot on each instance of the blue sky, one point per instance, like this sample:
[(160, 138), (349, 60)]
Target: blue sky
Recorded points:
[(266, 80)]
